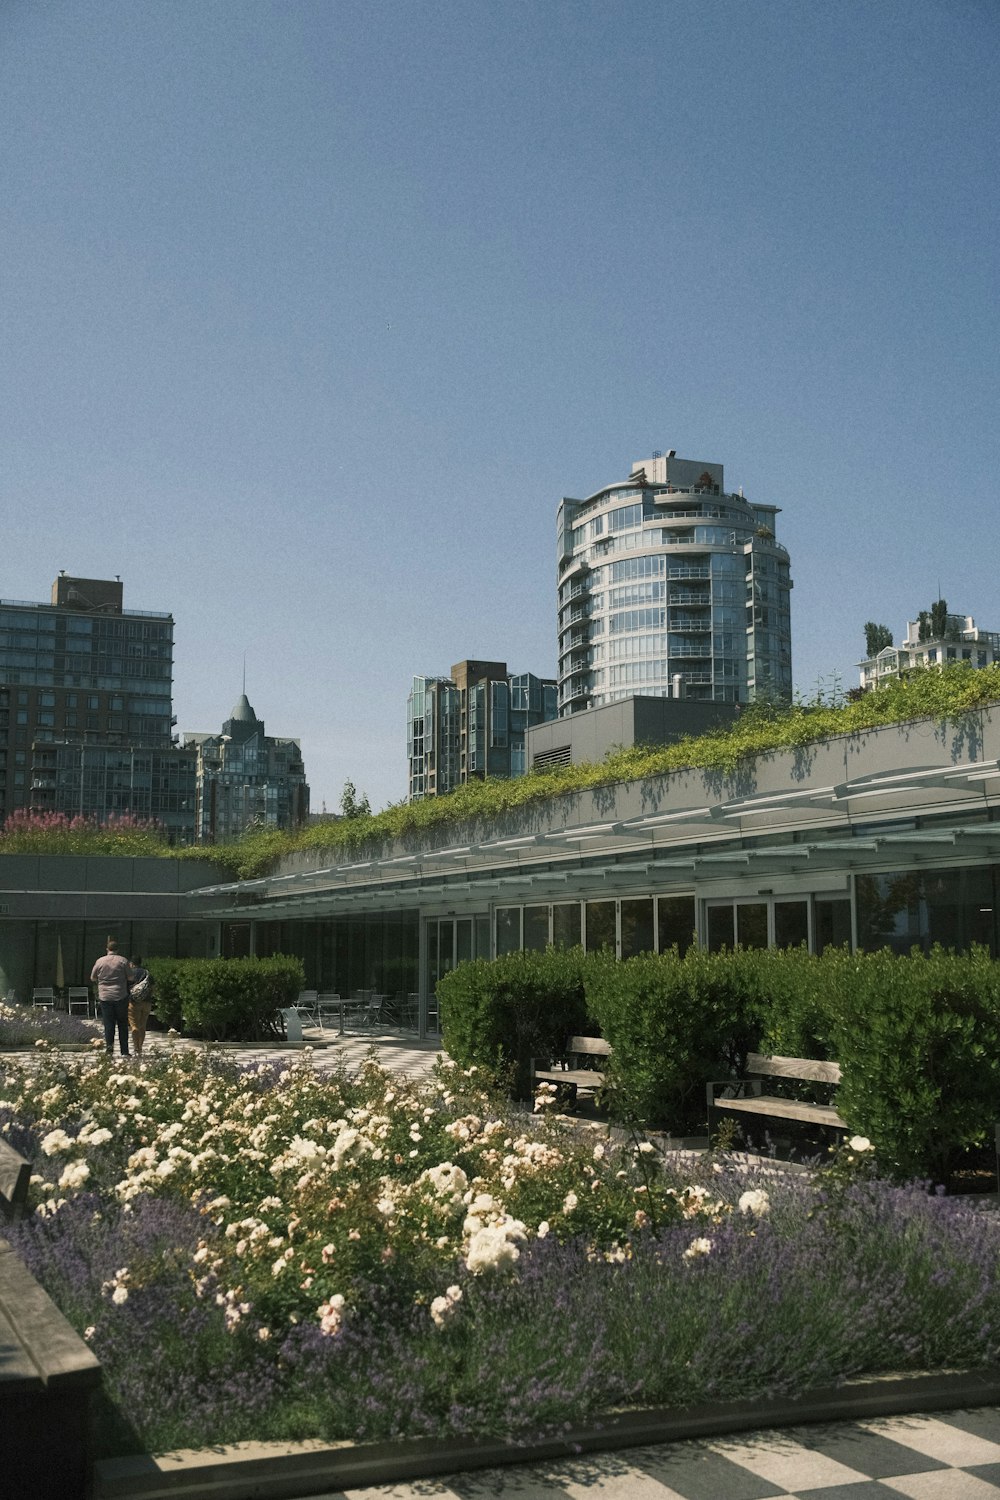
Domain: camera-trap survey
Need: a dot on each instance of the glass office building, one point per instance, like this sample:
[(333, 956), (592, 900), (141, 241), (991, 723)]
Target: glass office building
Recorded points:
[(86, 719), (670, 587), (472, 725)]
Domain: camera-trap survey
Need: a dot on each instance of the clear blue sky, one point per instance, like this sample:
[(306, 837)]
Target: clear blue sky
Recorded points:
[(310, 313)]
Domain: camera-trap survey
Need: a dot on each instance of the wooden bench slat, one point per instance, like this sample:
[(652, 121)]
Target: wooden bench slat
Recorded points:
[(582, 1077), (807, 1068), (790, 1109), (15, 1176), (595, 1046)]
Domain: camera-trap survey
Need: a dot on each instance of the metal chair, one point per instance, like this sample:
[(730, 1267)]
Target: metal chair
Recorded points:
[(371, 1016), (306, 1003), (43, 997), (78, 999), (329, 1006)]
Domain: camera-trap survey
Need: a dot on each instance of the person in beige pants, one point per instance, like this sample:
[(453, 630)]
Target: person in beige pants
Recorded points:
[(139, 1009)]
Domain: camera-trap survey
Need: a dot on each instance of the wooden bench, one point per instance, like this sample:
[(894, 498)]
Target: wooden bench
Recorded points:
[(15, 1174), (751, 1102), (48, 1378), (581, 1051)]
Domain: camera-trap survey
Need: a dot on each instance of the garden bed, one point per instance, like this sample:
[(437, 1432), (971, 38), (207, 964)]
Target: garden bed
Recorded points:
[(368, 1259)]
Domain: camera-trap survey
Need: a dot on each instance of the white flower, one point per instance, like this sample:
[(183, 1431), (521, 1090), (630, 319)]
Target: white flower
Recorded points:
[(75, 1175), (350, 1146), (330, 1315), (856, 1143), (569, 1203), (755, 1201), (119, 1295), (493, 1246), (443, 1308), (447, 1180), (698, 1248), (55, 1141)]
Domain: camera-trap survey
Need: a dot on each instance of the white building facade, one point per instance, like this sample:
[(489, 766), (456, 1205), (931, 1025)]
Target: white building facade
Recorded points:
[(926, 645), (669, 586)]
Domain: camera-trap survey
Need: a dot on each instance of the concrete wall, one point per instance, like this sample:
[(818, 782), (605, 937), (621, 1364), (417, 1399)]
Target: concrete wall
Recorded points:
[(631, 721)]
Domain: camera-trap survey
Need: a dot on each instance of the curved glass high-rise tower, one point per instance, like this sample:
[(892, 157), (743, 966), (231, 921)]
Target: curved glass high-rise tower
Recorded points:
[(669, 586)]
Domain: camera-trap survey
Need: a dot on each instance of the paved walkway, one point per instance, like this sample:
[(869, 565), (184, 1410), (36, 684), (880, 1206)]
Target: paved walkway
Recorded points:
[(396, 1053), (946, 1456)]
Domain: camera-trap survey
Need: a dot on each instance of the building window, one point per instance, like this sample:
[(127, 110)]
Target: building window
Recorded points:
[(536, 928), (566, 924), (600, 921)]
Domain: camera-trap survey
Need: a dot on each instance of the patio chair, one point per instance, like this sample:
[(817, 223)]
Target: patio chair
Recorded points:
[(306, 1004), (78, 999), (43, 997), (372, 1016), (329, 1007)]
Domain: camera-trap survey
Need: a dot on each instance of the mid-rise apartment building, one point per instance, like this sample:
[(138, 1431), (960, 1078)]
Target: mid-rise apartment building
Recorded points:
[(86, 721), (472, 725), (670, 586), (935, 638), (247, 778)]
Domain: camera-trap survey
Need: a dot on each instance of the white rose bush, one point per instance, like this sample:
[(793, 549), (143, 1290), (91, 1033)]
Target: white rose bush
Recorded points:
[(302, 1256)]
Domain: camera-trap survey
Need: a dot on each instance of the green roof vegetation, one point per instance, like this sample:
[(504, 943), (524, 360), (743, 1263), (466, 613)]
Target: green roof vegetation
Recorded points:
[(762, 729)]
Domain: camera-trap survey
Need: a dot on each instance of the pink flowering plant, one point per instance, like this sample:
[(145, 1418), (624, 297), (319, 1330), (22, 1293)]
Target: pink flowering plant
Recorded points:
[(26, 832)]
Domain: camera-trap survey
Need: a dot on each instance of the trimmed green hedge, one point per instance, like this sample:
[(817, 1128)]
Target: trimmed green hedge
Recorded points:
[(225, 999), (499, 1014), (917, 1036), (918, 1041), (674, 1023)]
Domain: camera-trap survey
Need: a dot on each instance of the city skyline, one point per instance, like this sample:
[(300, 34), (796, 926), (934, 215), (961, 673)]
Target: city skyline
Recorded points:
[(313, 315)]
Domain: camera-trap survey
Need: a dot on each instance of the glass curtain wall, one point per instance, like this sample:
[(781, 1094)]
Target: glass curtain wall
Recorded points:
[(644, 924), (918, 908), (773, 922), (60, 954), (377, 951)]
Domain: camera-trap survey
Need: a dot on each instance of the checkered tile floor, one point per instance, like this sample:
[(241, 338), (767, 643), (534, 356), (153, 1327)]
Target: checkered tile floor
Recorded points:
[(397, 1054), (947, 1456)]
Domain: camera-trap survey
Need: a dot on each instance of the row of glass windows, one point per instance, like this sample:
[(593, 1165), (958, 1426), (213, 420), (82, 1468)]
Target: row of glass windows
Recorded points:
[(637, 593), (30, 625), (636, 619), (634, 567), (627, 927), (953, 908)]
